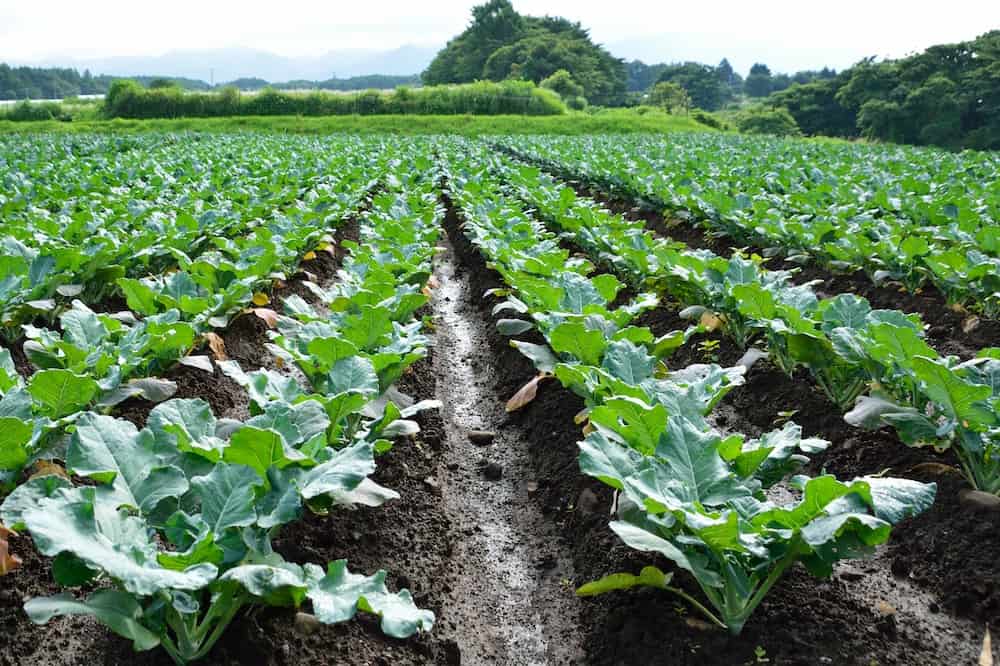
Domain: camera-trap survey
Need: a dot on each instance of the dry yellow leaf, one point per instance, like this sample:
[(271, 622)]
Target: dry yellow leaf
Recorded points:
[(217, 345), (261, 299), (309, 256), (526, 394), (270, 317), (8, 562)]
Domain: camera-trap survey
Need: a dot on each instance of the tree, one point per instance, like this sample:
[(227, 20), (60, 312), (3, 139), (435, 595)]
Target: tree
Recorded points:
[(670, 96), (494, 24), (701, 82), (501, 44), (758, 82)]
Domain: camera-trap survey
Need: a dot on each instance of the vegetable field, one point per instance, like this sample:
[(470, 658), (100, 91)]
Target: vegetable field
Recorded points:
[(600, 399)]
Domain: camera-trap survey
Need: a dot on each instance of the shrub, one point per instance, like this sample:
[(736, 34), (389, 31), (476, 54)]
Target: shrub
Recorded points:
[(27, 111), (707, 119), (127, 99), (762, 120)]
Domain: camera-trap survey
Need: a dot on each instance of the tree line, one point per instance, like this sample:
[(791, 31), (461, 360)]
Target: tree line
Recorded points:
[(18, 83), (948, 95)]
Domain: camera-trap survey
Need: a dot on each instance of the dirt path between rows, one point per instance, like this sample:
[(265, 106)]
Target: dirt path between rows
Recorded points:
[(508, 602)]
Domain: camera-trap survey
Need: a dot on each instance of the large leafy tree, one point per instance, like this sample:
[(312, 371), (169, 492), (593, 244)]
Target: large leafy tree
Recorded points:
[(702, 83), (948, 95), (759, 82), (501, 44)]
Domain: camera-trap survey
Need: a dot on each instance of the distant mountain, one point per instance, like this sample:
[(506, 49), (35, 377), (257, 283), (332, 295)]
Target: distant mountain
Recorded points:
[(229, 64)]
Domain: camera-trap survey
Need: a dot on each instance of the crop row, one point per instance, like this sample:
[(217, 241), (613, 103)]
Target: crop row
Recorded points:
[(186, 226), (903, 215), (685, 490), (172, 531), (874, 363)]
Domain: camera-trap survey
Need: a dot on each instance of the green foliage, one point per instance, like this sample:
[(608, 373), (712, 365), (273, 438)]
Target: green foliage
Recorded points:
[(562, 82), (127, 99), (501, 44), (762, 120), (709, 120), (700, 81), (759, 82), (35, 111), (948, 95), (670, 96)]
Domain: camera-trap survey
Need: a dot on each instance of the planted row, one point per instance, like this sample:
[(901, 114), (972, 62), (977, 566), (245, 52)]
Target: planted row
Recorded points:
[(685, 491), (908, 215), (873, 364), (178, 524)]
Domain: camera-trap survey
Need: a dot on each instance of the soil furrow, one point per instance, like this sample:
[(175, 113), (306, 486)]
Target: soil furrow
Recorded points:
[(508, 603)]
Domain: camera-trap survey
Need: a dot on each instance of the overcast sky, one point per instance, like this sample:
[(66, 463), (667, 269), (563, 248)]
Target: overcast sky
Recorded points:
[(786, 34)]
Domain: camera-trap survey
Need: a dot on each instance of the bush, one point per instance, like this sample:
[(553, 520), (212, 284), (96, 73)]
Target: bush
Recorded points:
[(28, 111), (761, 120), (127, 99), (707, 119), (562, 83)]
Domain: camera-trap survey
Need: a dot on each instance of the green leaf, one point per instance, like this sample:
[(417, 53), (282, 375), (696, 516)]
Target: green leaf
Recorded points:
[(342, 473), (105, 539), (60, 392), (15, 435), (119, 611), (540, 355), (574, 339), (111, 451), (338, 595), (963, 401), (227, 496), (648, 577), (639, 425), (260, 450)]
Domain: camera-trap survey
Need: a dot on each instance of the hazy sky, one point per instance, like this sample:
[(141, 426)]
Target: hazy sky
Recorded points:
[(783, 33)]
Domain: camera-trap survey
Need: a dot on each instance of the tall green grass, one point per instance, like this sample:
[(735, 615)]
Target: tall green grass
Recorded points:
[(621, 121)]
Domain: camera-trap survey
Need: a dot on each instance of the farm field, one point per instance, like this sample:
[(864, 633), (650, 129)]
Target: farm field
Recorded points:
[(692, 398)]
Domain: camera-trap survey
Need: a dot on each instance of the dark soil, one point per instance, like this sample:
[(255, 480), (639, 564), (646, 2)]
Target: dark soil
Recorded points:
[(227, 398)]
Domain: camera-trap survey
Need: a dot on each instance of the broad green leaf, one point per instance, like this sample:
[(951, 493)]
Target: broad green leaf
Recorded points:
[(119, 611), (60, 392)]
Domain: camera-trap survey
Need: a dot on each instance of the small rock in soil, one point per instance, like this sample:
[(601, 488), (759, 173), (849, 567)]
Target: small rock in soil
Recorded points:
[(306, 624), (481, 437), (433, 484), (532, 487), (977, 499), (850, 573), (587, 501), (493, 471)]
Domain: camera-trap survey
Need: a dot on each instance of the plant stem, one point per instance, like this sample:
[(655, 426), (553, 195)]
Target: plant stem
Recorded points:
[(697, 604)]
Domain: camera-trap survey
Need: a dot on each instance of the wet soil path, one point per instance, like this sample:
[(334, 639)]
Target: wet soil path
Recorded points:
[(509, 598)]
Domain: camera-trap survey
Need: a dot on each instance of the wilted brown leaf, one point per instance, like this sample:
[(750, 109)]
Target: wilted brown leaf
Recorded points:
[(217, 345), (47, 468), (526, 394), (8, 562), (710, 322), (970, 324), (269, 316)]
